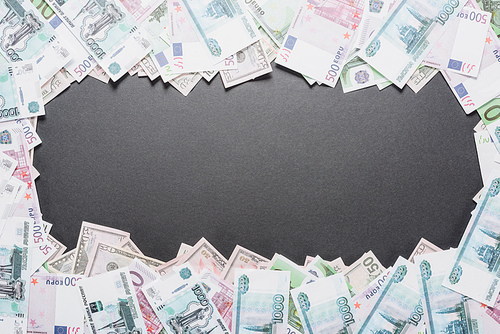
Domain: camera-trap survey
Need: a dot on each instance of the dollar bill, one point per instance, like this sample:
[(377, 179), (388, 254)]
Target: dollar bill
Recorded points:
[(252, 62), (423, 247), (51, 296), (398, 307), (128, 244), (107, 31), (168, 266), (99, 74), (472, 93), (110, 303), (223, 33), (338, 265), (261, 300), (325, 306), (398, 47), (57, 245), (204, 255), (143, 275), (420, 78), (475, 267), (305, 50), (186, 82), (183, 249), (480, 126), (149, 67), (90, 235), (41, 44), (62, 264), (209, 75), (242, 258), (56, 85), (105, 257), (460, 49), (20, 93), (362, 272), (445, 310)]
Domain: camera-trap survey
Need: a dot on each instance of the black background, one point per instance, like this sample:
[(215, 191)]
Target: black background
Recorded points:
[(273, 165)]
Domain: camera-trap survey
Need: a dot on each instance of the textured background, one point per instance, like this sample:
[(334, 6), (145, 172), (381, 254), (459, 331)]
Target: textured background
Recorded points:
[(272, 165)]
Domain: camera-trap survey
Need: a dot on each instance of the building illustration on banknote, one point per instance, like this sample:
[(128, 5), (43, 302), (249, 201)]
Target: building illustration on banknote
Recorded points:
[(21, 25), (102, 16), (489, 254), (464, 324), (192, 320), (12, 286), (116, 317)]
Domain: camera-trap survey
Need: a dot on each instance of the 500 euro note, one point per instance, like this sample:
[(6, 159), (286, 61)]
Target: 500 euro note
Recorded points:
[(319, 39)]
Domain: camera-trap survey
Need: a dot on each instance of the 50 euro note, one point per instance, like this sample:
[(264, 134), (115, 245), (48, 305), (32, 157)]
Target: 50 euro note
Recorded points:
[(318, 41), (107, 31), (475, 269), (398, 47), (260, 301)]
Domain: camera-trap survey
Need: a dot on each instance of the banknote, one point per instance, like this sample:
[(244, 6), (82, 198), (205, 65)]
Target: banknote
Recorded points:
[(274, 16), (141, 9), (364, 300), (270, 47), (472, 93), (460, 48), (90, 235), (325, 306), (445, 310), (110, 303), (223, 32), (298, 277), (220, 292), (362, 272), (480, 126), (143, 275), (305, 50), (375, 11), (204, 255), (260, 301), (209, 75), (423, 247), (494, 312), (487, 154), (186, 82), (252, 62), (490, 115), (492, 6), (43, 8), (107, 31), (188, 52), (357, 74), (398, 307), (62, 264), (475, 267), (51, 296), (338, 265), (26, 35), (421, 76), (15, 270), (57, 245), (398, 47), (320, 268), (241, 258), (184, 248), (56, 85), (105, 257), (20, 93), (30, 135), (128, 244), (149, 67), (168, 266), (99, 74)]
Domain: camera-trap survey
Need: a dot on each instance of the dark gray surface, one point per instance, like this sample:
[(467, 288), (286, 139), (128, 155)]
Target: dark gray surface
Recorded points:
[(272, 165)]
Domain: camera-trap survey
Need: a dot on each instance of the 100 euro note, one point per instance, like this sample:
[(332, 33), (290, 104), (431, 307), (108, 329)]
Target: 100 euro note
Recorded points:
[(260, 301), (398, 47), (319, 39), (398, 307), (490, 114), (107, 31), (325, 306), (444, 309), (476, 265)]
